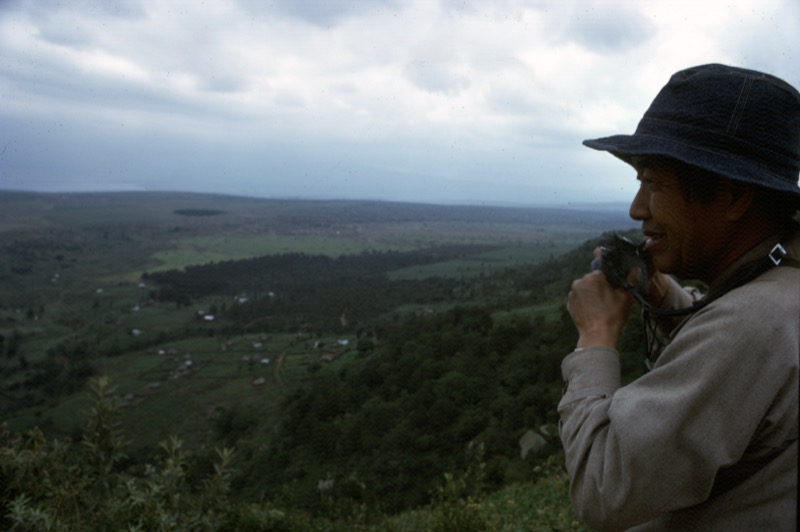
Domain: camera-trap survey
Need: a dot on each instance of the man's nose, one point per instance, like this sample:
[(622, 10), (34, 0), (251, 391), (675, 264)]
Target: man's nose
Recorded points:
[(639, 209)]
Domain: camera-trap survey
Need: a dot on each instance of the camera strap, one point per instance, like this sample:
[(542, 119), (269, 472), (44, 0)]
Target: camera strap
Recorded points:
[(776, 257)]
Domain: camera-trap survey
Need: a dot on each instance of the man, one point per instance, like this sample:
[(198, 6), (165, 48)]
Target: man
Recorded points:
[(707, 438)]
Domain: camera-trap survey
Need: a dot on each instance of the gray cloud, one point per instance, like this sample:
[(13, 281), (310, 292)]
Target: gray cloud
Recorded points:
[(322, 13), (436, 76), (606, 30), (450, 100)]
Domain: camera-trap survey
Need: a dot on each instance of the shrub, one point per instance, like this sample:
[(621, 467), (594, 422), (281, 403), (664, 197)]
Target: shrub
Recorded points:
[(52, 486)]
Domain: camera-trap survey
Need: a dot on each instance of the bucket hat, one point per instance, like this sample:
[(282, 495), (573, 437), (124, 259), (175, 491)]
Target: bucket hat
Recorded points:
[(737, 123)]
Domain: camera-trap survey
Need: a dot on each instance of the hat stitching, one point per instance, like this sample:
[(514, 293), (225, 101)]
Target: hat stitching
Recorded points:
[(738, 110)]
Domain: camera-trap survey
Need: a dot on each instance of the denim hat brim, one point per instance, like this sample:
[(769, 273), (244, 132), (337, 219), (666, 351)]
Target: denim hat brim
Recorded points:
[(741, 124), (736, 168)]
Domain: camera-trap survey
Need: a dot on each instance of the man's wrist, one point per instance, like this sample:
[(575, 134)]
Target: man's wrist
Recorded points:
[(597, 339)]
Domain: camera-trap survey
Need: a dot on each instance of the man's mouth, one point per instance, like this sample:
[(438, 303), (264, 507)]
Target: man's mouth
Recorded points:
[(652, 239)]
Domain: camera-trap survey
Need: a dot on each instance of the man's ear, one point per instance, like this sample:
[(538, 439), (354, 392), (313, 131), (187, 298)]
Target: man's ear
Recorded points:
[(739, 197)]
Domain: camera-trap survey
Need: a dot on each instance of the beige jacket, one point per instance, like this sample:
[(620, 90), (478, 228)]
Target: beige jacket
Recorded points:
[(707, 440)]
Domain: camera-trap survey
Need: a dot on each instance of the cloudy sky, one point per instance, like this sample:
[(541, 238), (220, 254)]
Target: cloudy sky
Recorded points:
[(440, 101)]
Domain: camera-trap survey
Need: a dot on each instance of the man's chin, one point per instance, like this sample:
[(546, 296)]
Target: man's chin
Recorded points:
[(665, 266)]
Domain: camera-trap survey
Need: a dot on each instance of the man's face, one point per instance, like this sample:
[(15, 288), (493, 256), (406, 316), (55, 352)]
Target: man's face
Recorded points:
[(682, 236)]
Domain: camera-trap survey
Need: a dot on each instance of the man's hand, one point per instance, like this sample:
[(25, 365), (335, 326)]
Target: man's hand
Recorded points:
[(598, 310)]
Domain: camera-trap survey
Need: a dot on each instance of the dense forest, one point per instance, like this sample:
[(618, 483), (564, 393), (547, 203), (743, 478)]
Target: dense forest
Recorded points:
[(288, 290)]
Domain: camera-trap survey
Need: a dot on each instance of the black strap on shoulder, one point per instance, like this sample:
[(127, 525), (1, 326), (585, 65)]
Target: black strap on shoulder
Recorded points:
[(778, 256), (790, 262)]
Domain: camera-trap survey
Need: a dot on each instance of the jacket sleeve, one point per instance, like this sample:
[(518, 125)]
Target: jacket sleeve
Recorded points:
[(655, 446)]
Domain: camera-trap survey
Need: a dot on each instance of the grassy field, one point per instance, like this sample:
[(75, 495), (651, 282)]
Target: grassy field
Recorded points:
[(205, 249)]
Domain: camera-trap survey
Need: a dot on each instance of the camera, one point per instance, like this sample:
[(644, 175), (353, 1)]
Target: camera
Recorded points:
[(619, 256)]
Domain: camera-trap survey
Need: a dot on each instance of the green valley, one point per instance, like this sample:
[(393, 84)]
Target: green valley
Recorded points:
[(325, 365)]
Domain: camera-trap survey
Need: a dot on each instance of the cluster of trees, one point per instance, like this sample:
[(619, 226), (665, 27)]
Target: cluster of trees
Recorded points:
[(291, 289), (198, 212), (400, 418)]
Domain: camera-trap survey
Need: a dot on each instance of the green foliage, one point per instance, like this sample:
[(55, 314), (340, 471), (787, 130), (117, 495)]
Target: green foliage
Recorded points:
[(103, 437), (159, 499), (455, 506), (401, 418), (539, 504), (50, 486)]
